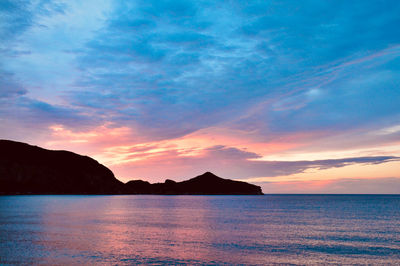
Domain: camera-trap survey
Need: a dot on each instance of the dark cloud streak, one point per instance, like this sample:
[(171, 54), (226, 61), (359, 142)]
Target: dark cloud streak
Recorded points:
[(236, 163)]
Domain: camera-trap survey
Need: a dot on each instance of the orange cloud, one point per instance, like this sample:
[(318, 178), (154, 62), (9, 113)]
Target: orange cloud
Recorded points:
[(231, 154)]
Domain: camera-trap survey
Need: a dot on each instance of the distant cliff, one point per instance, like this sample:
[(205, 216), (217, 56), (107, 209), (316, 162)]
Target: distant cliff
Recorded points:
[(26, 169)]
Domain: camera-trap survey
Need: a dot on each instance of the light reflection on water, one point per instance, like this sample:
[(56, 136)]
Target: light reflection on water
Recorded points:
[(298, 229)]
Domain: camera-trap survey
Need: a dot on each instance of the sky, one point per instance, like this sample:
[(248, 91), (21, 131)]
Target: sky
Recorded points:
[(297, 97)]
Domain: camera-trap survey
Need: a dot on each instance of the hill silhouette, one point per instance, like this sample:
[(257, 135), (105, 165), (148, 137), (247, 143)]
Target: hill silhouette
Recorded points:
[(205, 184), (26, 169)]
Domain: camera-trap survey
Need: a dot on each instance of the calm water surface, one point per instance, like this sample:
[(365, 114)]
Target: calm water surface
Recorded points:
[(291, 229)]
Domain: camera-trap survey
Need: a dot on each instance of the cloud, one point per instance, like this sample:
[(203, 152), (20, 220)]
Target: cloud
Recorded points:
[(18, 16), (9, 87), (15, 18), (172, 68), (324, 164), (322, 31), (40, 115), (336, 186), (170, 162), (175, 68), (261, 72), (230, 153)]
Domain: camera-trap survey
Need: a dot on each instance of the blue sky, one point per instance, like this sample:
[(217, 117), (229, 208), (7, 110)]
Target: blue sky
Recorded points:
[(286, 81)]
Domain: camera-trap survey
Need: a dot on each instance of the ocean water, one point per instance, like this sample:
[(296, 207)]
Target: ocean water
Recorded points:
[(258, 230)]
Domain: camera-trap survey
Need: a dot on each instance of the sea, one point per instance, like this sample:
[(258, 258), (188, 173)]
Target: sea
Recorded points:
[(198, 230)]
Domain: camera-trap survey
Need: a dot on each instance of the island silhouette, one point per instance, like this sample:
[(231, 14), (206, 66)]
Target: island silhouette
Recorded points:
[(27, 169)]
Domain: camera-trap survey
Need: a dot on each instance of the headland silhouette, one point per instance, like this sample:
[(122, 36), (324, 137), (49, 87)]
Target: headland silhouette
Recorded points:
[(26, 169)]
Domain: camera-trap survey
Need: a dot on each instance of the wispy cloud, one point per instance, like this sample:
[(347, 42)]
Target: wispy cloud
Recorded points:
[(168, 161), (389, 185)]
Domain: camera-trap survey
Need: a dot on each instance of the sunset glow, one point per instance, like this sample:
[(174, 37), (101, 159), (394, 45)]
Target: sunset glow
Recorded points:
[(296, 99)]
